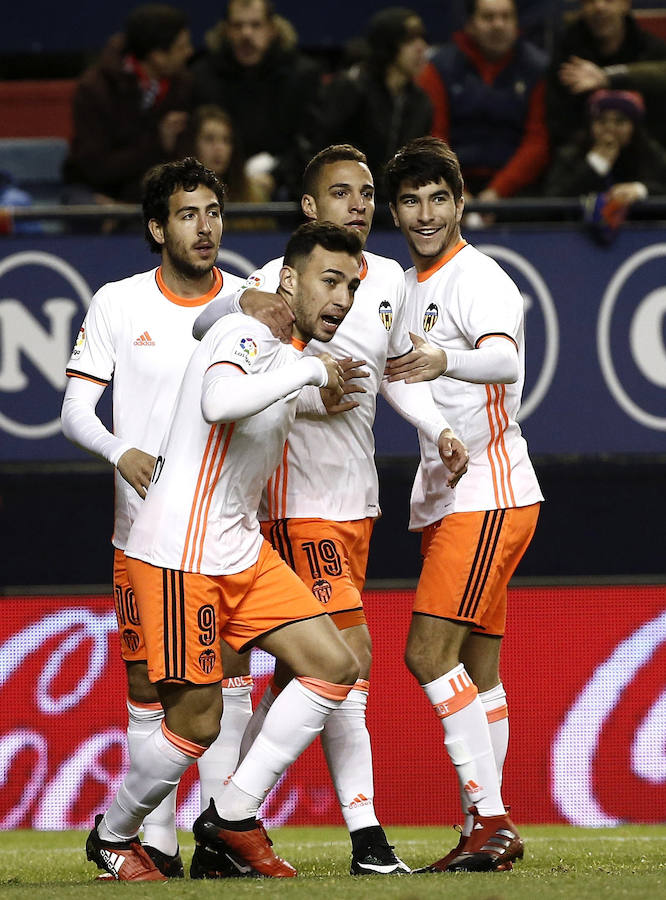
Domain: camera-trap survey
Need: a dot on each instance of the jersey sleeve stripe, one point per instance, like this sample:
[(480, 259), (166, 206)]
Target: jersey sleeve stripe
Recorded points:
[(74, 373), (492, 334), (226, 362), (400, 355)]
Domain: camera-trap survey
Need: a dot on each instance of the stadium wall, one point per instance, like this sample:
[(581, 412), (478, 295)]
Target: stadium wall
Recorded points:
[(583, 668)]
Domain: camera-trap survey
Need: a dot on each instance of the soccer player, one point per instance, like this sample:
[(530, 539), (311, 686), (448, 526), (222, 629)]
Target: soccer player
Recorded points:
[(138, 332), (320, 505), (201, 569), (466, 316)]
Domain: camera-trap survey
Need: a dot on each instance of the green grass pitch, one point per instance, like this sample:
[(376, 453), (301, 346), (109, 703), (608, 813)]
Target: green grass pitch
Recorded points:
[(560, 861)]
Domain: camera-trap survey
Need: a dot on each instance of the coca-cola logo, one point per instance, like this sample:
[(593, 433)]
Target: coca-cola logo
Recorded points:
[(581, 753)]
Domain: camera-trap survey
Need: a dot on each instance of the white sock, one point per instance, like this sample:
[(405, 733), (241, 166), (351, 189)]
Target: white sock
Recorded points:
[(221, 758), (151, 777), (255, 724), (159, 826), (467, 739), (346, 744), (294, 720), (497, 713)]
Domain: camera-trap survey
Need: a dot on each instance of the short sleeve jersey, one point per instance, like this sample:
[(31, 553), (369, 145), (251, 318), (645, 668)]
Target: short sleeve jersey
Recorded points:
[(138, 333), (329, 468), (200, 512), (458, 303)]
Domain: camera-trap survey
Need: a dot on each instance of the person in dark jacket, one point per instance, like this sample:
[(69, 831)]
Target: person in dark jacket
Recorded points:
[(253, 70), (488, 93), (377, 105), (130, 109), (616, 154), (604, 47)]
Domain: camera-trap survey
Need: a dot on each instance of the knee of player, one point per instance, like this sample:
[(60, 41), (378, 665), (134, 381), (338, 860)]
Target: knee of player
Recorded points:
[(346, 667)]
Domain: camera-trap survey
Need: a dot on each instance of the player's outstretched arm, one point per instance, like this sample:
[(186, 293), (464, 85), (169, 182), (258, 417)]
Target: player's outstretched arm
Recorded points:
[(228, 394), (454, 455), (271, 309), (423, 363)]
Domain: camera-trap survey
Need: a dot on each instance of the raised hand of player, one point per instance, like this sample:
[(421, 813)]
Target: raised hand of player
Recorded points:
[(271, 309), (454, 455), (136, 467), (336, 383), (351, 369), (423, 363)]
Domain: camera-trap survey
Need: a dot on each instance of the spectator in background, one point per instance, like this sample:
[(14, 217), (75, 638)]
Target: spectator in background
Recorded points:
[(130, 108), (376, 105), (604, 48), (216, 146), (616, 159), (488, 94), (253, 70)]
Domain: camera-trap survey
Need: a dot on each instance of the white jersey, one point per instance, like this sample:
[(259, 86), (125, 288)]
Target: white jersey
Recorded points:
[(200, 512), (139, 333), (329, 470), (457, 303)]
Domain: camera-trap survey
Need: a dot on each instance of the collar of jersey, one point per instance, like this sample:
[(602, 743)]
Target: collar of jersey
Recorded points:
[(442, 261), (364, 267), (190, 301), (300, 345)]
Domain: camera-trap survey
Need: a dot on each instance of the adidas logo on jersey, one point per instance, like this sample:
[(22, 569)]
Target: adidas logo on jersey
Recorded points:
[(144, 340), (113, 861)]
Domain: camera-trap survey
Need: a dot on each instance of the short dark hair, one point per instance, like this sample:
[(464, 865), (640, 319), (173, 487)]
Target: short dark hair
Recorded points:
[(387, 32), (320, 234), (153, 26), (163, 180), (333, 154), (269, 6), (422, 161), (470, 7)]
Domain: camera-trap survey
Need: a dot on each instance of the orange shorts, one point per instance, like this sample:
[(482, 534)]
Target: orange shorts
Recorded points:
[(132, 646), (468, 560), (330, 557), (185, 615)]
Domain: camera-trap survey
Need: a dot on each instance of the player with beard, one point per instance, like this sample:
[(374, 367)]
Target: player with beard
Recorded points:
[(320, 505), (201, 569), (138, 332)]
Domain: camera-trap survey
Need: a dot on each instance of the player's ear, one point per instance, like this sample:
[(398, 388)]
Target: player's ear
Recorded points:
[(309, 206), (394, 215), (288, 280), (460, 208), (157, 231)]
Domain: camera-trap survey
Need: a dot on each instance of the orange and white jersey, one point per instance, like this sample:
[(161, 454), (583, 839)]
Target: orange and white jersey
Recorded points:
[(200, 512), (138, 333), (329, 471), (462, 300)]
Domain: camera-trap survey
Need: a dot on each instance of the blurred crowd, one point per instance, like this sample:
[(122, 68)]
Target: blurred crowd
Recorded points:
[(584, 115)]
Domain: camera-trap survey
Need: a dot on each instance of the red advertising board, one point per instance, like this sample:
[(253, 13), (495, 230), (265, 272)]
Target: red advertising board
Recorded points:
[(584, 669)]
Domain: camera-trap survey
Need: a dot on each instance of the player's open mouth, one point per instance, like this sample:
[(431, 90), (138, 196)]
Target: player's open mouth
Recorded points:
[(331, 323), (426, 232)]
